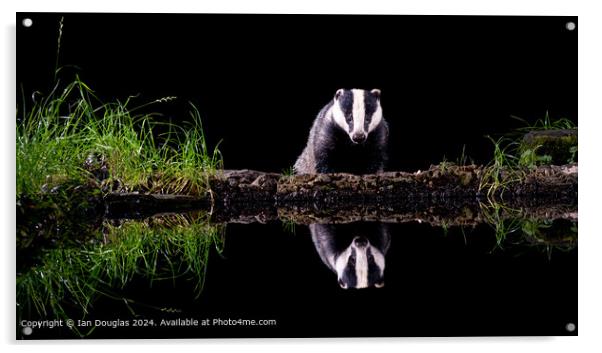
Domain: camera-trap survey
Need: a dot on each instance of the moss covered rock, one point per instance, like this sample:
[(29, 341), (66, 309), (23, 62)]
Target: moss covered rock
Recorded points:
[(552, 146)]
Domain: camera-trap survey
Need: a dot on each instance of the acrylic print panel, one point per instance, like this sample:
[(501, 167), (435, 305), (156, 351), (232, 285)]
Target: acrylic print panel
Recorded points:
[(203, 175)]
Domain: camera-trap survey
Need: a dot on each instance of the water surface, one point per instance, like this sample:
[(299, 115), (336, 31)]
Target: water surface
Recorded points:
[(438, 281)]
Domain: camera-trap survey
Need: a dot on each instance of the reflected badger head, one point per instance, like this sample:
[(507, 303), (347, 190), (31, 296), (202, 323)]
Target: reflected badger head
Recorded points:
[(355, 252), (357, 112), (361, 265)]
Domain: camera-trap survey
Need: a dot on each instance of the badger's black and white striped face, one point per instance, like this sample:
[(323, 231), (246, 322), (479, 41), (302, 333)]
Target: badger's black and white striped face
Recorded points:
[(358, 112), (361, 265)]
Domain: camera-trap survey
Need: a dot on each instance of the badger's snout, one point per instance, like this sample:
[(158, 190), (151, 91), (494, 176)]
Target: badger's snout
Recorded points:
[(360, 242), (358, 137)]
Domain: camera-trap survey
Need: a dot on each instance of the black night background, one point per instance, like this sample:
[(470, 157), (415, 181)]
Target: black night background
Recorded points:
[(260, 80)]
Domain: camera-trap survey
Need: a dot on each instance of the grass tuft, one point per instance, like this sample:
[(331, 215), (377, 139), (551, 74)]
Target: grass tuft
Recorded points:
[(546, 123), (502, 170), (511, 158), (62, 130)]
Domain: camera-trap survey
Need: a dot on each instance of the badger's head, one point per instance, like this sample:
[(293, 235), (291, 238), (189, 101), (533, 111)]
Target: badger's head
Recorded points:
[(357, 112), (361, 265)]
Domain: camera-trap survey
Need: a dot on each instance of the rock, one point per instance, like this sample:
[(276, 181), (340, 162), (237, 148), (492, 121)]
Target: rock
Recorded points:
[(559, 145)]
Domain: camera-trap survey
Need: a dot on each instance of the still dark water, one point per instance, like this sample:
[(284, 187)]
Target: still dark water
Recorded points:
[(438, 282)]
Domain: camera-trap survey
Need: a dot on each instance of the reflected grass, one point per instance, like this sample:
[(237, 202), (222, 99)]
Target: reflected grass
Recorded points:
[(71, 279), (559, 234), (502, 219)]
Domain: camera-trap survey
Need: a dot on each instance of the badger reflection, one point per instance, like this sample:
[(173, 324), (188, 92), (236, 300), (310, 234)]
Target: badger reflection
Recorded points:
[(354, 251)]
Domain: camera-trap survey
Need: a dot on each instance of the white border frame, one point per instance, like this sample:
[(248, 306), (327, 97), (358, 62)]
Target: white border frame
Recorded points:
[(590, 81)]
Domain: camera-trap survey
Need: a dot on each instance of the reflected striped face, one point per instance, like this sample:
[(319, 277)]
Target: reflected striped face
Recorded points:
[(361, 265), (357, 112)]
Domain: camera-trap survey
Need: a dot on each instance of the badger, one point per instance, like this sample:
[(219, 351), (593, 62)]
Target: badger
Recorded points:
[(354, 251), (349, 135)]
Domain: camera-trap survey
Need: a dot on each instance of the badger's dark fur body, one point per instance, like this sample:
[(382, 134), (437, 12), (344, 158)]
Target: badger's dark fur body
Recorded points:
[(354, 251), (349, 135)]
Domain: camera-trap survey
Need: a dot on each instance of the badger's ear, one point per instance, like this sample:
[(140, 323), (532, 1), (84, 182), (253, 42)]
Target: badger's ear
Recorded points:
[(376, 92), (338, 94), (379, 284)]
